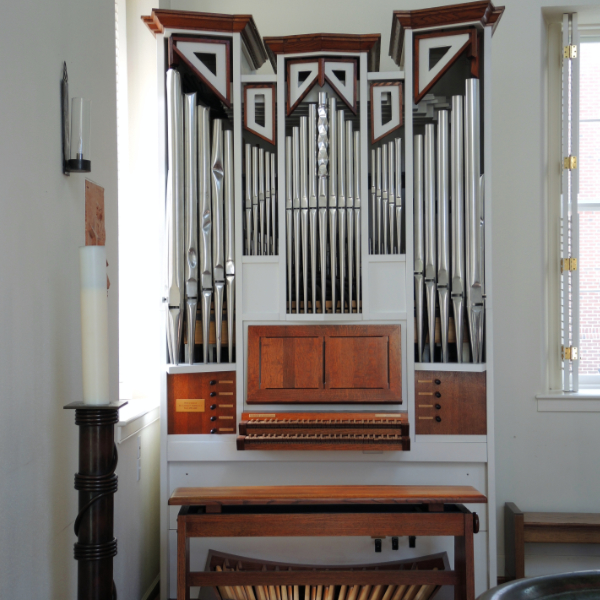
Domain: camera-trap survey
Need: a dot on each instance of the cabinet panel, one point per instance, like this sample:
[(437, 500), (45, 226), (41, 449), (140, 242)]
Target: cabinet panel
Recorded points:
[(308, 364), (450, 403), (291, 363), (357, 363), (201, 403)]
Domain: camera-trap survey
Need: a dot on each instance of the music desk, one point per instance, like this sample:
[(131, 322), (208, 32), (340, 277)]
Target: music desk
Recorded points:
[(345, 510)]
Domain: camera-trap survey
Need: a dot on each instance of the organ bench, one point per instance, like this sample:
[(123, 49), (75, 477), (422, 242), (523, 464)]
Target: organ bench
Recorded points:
[(349, 510)]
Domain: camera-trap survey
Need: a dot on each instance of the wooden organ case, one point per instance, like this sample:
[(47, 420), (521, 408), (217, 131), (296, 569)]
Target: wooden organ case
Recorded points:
[(342, 302)]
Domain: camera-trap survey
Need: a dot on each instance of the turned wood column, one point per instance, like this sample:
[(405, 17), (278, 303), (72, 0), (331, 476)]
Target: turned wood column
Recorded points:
[(96, 483)]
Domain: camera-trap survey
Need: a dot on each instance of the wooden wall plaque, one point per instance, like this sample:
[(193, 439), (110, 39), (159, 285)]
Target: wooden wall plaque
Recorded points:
[(302, 364)]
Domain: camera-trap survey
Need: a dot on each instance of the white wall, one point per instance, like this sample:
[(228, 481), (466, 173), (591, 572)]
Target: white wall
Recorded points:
[(41, 228)]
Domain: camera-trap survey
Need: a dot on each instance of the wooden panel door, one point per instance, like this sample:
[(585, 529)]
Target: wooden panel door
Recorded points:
[(306, 364), (450, 403)]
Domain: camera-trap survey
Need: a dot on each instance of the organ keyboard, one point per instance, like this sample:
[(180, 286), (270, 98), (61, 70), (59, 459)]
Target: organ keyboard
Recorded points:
[(324, 431)]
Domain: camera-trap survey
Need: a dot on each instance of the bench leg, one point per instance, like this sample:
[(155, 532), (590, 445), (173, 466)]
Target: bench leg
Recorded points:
[(183, 559), (514, 543), (464, 562)]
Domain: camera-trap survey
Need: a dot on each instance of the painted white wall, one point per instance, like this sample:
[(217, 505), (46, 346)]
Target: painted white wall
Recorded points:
[(544, 461), (136, 567), (41, 228)]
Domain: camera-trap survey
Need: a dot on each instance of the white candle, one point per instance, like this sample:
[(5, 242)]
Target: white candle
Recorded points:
[(94, 324)]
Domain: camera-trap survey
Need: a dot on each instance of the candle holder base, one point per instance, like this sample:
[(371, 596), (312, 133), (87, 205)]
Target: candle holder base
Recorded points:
[(96, 483)]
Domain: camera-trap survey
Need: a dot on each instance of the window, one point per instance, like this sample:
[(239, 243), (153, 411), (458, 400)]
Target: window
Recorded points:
[(589, 209)]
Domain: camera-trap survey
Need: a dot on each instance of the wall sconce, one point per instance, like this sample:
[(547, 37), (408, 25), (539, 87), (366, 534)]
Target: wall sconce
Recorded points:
[(76, 145)]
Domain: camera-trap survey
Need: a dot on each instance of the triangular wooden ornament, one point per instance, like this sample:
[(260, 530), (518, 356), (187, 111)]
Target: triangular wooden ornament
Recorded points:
[(209, 59), (301, 76), (342, 76), (436, 52)]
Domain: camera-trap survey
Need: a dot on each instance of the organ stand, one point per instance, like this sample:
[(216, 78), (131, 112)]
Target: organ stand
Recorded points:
[(329, 307)]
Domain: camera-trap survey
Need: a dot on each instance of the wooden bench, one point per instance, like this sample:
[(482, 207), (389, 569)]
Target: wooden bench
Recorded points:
[(541, 527), (288, 511)]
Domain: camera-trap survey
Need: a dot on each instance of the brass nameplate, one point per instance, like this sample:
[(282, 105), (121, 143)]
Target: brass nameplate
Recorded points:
[(424, 380), (425, 405), (425, 394), (426, 418), (226, 381), (230, 418), (261, 416), (225, 405), (186, 405), (225, 393), (225, 429), (388, 416)]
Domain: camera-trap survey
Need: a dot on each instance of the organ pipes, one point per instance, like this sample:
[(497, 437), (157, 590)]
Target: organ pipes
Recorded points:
[(385, 199), (191, 223), (449, 229), (322, 168), (443, 242), (418, 245), (429, 223), (174, 297), (200, 225), (260, 202), (323, 212)]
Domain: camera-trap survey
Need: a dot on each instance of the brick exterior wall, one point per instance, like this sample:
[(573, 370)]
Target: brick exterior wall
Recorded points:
[(589, 220)]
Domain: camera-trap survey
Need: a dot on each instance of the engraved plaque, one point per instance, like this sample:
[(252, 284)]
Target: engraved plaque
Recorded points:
[(187, 405)]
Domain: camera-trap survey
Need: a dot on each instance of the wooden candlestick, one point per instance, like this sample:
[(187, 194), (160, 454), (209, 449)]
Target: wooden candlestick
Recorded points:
[(96, 483)]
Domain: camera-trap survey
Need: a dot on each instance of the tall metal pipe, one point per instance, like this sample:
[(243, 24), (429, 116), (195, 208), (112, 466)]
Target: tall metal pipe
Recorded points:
[(304, 207), (289, 218), (175, 216), (229, 239), (350, 208), (312, 201), (267, 233), (357, 222), (385, 201), (322, 170), (474, 268), (191, 223), (418, 241), (399, 207), (255, 229), (341, 133), (204, 184), (261, 201), (274, 244), (458, 216), (391, 198), (248, 202), (333, 152), (296, 209), (430, 238), (443, 233), (378, 204), (373, 205), (217, 171)]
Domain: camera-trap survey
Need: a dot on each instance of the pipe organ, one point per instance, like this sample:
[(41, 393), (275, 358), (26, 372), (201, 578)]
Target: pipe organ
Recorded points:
[(327, 250)]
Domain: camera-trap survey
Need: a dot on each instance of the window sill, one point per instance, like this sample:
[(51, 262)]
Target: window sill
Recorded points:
[(587, 400), (135, 416)]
